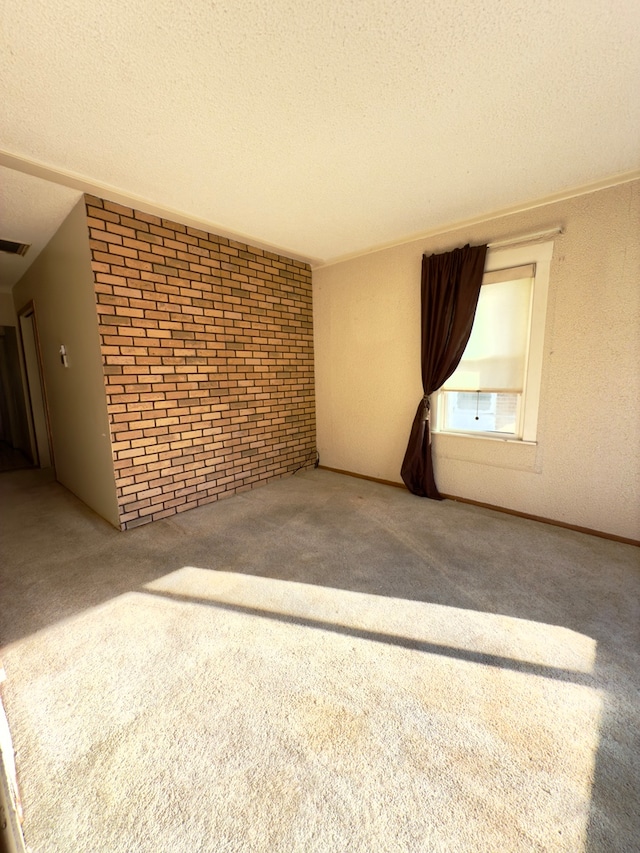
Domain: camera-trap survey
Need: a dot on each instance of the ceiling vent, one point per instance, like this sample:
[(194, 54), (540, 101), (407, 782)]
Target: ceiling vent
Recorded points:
[(13, 248)]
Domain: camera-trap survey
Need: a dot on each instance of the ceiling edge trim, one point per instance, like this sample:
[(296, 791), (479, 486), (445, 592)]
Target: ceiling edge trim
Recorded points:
[(563, 195), (114, 194)]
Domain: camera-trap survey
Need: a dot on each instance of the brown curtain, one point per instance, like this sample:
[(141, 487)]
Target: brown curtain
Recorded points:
[(450, 289)]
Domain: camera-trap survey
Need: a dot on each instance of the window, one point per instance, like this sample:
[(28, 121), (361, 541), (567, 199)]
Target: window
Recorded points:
[(495, 389)]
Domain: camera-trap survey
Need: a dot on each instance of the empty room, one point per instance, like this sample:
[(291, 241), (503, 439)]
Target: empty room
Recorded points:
[(320, 427)]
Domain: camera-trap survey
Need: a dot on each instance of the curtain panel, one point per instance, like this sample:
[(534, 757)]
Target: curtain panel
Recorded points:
[(450, 288)]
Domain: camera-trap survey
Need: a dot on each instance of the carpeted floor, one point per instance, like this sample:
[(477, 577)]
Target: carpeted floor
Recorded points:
[(322, 664)]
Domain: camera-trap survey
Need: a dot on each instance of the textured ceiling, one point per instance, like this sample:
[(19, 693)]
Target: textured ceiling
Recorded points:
[(325, 128)]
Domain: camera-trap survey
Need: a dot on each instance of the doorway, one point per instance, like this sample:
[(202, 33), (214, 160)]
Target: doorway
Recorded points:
[(15, 441), (39, 429)]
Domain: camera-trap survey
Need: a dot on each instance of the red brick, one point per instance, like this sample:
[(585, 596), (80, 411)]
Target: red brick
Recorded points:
[(215, 416)]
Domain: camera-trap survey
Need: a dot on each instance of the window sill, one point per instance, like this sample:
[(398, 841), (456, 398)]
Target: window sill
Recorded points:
[(487, 450), (483, 436)]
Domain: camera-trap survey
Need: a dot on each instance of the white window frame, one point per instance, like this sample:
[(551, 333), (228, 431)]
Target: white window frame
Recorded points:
[(539, 254)]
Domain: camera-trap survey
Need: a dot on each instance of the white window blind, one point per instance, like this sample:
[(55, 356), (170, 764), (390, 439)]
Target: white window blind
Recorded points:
[(495, 357)]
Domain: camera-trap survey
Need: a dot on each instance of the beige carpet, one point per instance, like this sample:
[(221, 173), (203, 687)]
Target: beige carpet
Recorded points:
[(279, 694)]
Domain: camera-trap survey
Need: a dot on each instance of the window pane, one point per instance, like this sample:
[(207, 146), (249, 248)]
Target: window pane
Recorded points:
[(481, 412)]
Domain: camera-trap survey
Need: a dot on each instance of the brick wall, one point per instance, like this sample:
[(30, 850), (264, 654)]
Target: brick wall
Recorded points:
[(208, 361)]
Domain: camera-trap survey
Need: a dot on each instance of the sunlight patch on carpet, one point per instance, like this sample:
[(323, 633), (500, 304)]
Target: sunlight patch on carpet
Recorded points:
[(488, 633), (267, 715)]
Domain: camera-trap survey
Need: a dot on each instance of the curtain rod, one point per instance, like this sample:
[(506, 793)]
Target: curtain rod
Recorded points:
[(527, 238)]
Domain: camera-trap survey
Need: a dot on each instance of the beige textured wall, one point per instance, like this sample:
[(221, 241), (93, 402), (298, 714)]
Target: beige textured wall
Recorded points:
[(60, 283), (585, 468)]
